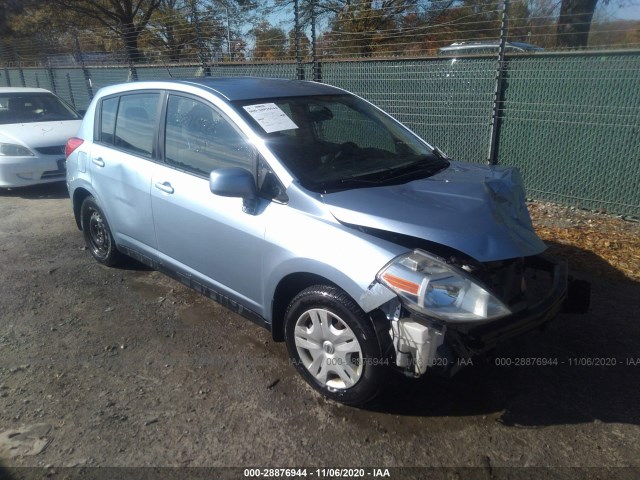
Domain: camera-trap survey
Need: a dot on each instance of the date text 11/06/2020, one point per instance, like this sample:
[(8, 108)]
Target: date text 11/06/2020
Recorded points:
[(571, 362), (316, 472)]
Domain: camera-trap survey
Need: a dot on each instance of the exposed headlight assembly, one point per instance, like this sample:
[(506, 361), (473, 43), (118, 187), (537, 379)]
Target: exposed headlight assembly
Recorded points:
[(12, 150), (430, 286)]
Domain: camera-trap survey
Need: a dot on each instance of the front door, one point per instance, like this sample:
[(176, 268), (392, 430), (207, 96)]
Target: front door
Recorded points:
[(199, 233)]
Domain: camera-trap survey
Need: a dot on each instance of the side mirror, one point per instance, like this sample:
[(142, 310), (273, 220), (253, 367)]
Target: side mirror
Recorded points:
[(235, 182)]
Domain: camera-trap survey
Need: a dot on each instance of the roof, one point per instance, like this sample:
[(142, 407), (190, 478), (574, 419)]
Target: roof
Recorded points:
[(23, 90), (249, 88)]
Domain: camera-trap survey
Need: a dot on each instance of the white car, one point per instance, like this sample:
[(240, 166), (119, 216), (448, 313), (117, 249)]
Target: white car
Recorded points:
[(34, 128)]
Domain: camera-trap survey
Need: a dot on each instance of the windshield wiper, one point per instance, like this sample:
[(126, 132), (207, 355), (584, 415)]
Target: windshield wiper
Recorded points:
[(440, 154), (339, 184), (424, 164)]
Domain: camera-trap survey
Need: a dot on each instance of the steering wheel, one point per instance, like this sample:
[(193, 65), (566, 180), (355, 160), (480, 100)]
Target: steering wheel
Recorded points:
[(345, 149)]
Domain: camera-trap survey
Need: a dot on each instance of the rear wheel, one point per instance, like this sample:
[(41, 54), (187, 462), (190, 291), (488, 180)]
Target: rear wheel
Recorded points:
[(97, 234), (333, 344)]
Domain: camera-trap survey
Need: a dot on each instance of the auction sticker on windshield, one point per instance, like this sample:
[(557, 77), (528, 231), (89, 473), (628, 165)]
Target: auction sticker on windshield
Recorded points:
[(270, 117)]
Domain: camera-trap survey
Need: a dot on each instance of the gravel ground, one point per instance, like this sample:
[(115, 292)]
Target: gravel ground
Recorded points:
[(125, 367)]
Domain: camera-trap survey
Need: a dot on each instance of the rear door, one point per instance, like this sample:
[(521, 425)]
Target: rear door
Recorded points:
[(122, 161), (204, 236)]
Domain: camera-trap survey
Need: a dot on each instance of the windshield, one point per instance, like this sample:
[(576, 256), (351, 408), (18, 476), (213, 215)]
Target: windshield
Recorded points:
[(336, 142), (31, 107)]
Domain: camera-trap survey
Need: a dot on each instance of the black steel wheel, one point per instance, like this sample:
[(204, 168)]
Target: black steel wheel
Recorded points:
[(97, 234)]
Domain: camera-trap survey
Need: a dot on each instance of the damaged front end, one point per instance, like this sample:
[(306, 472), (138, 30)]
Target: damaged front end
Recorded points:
[(475, 273), (447, 312)]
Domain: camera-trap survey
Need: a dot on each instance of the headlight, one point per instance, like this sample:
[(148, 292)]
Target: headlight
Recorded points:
[(9, 149), (436, 289)]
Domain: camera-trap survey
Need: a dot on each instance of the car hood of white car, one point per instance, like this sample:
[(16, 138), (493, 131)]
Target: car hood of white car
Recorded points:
[(39, 134)]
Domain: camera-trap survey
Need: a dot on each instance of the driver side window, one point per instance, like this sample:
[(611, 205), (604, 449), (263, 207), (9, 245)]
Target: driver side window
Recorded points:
[(199, 139)]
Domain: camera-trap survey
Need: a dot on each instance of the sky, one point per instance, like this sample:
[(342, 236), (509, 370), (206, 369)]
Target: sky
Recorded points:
[(630, 10), (627, 13)]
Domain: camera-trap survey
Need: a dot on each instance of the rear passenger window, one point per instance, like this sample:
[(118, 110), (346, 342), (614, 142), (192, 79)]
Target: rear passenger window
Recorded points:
[(108, 120), (135, 123), (199, 139)]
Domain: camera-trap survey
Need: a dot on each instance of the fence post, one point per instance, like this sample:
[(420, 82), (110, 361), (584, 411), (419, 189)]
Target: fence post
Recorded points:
[(296, 17), (201, 50), (317, 67), (85, 71), (4, 61), (492, 157), (71, 97), (132, 56), (52, 78), (21, 72), (133, 70)]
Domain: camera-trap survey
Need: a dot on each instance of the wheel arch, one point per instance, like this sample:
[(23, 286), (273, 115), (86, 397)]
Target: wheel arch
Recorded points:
[(79, 195), (367, 298), (286, 290)]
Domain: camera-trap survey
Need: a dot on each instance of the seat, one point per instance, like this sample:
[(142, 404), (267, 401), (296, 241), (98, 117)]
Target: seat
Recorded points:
[(18, 109), (136, 131), (135, 117), (199, 120)]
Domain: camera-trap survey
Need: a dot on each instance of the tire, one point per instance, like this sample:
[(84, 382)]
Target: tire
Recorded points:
[(97, 234), (333, 345)]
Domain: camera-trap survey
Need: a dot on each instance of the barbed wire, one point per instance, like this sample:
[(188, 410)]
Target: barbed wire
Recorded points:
[(397, 36)]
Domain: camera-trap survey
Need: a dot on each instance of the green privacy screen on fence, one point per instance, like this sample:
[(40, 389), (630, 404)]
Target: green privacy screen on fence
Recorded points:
[(447, 103), (572, 126), (570, 122)]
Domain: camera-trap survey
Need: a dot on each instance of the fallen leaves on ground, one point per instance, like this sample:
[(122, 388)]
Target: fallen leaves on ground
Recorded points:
[(602, 244)]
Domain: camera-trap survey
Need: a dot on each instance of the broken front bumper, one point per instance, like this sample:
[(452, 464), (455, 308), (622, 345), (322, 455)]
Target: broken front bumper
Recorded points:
[(447, 346), (468, 339)]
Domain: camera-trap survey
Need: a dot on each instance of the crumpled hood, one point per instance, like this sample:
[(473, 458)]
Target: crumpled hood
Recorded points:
[(40, 134), (475, 209)]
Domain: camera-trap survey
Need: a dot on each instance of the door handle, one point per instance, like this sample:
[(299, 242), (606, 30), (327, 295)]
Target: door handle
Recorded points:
[(164, 186), (98, 161)]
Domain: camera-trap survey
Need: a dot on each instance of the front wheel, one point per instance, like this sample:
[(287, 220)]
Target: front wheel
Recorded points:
[(333, 344), (97, 234)]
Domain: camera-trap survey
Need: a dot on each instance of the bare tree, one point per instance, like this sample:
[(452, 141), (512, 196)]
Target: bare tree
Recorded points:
[(126, 18), (574, 23)]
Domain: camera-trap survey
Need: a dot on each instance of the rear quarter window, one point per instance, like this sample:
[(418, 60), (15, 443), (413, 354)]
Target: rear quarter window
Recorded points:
[(108, 119)]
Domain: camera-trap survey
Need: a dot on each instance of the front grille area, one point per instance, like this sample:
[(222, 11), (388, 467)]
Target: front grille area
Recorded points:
[(55, 150), (505, 279), (517, 282)]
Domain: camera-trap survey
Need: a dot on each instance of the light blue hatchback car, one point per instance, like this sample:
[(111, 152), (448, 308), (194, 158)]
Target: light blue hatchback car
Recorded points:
[(313, 213)]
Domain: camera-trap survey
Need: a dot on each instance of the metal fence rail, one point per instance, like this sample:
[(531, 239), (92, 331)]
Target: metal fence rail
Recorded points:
[(569, 121)]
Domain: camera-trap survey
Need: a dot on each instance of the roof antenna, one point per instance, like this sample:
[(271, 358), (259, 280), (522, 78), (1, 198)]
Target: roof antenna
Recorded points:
[(168, 71)]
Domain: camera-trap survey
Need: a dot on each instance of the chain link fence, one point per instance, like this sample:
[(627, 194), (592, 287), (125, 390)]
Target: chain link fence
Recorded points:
[(571, 123), (569, 120)]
